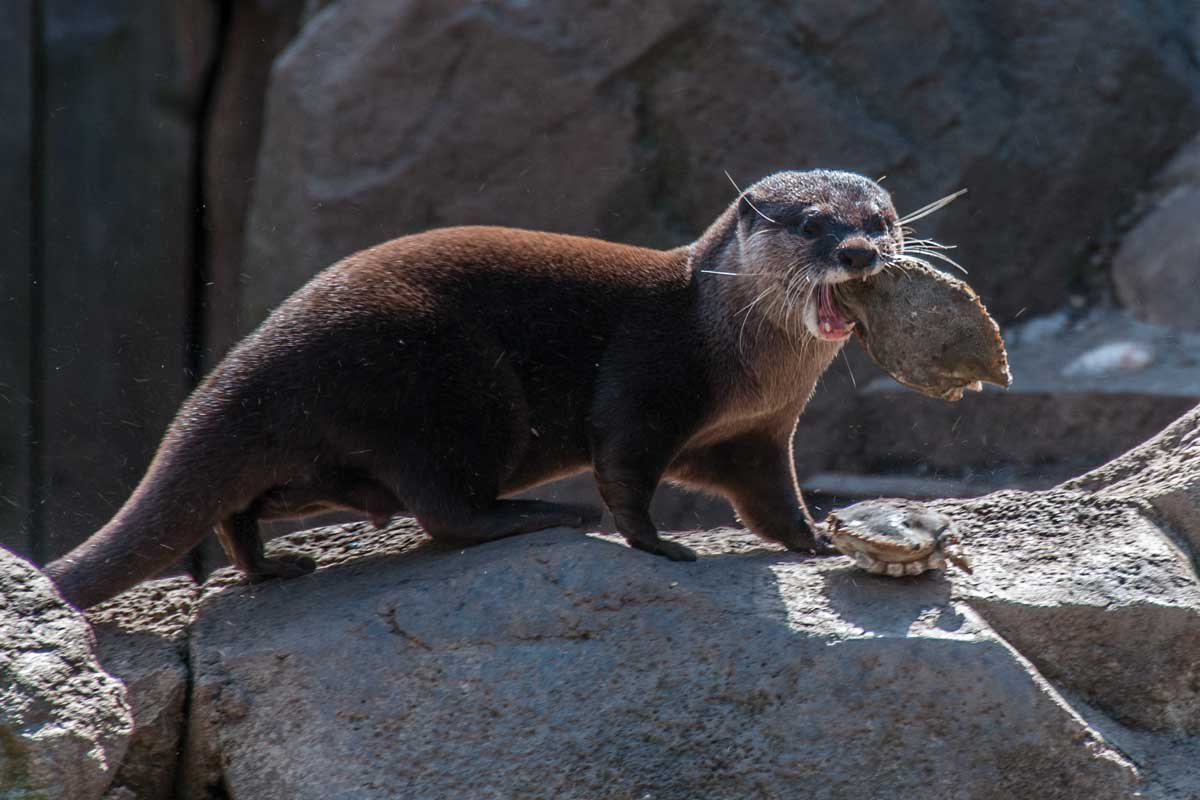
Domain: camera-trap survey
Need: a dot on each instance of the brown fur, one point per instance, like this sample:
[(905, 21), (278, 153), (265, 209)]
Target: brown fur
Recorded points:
[(439, 373)]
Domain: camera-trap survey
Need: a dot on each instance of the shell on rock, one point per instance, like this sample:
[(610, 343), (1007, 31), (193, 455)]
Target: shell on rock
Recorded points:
[(926, 329), (895, 537)]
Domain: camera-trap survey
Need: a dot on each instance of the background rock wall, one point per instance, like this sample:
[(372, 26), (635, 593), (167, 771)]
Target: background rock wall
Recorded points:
[(173, 171)]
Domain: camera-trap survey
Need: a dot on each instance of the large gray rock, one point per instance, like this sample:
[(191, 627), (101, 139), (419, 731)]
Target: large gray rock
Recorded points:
[(64, 722), (1162, 476), (1156, 267), (559, 665), (1095, 594), (618, 119), (141, 640)]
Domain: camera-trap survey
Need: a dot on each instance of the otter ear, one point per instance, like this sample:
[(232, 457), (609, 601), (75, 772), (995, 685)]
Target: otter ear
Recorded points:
[(746, 215)]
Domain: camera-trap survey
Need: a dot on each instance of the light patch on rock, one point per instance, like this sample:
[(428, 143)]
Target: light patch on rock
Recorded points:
[(1111, 357)]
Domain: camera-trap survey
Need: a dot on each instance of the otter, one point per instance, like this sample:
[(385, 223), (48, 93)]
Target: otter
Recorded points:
[(441, 373)]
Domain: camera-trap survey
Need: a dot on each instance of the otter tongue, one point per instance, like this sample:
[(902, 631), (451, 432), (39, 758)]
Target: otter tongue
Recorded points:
[(829, 317)]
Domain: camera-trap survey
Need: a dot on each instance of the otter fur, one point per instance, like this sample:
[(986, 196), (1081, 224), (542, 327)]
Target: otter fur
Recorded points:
[(441, 373)]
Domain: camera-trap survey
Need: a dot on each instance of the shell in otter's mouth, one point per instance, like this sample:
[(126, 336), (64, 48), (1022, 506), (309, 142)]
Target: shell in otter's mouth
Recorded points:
[(926, 329)]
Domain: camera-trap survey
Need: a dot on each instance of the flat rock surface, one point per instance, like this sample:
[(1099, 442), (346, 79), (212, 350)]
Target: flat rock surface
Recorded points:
[(64, 722)]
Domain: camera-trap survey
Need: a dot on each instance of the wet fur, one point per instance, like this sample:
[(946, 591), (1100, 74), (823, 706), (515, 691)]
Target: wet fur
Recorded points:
[(437, 373)]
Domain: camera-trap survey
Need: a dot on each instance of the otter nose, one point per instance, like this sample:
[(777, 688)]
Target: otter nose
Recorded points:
[(858, 259)]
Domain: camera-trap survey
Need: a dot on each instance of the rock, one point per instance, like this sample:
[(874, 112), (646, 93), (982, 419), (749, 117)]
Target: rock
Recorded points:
[(1111, 558), (619, 119), (1094, 594), (64, 722), (567, 666), (1155, 268), (1162, 477), (142, 641), (1109, 358)]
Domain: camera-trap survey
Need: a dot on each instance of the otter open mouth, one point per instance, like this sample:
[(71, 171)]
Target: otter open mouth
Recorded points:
[(832, 323)]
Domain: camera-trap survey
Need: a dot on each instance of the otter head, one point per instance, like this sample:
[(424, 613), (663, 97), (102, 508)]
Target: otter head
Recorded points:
[(802, 233)]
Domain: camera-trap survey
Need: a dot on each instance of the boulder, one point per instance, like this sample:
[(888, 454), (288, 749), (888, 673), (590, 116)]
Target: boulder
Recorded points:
[(142, 641), (1095, 594), (1162, 477), (64, 722), (618, 119), (569, 666), (1155, 267)]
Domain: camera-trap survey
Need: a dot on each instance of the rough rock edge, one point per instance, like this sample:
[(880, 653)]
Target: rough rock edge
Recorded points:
[(82, 724), (142, 641)]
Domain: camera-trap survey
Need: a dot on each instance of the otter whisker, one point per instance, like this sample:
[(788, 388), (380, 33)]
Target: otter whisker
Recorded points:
[(746, 311), (936, 254), (749, 202), (849, 370), (926, 210), (930, 243), (734, 274)]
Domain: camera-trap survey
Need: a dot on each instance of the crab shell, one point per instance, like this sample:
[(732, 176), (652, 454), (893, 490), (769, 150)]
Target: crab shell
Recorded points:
[(895, 537), (926, 329)]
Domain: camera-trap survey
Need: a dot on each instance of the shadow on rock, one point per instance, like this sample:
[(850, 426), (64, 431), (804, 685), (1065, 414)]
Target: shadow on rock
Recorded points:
[(890, 606)]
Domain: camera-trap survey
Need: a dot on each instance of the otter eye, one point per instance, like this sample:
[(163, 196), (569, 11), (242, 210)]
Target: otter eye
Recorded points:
[(877, 225), (810, 227)]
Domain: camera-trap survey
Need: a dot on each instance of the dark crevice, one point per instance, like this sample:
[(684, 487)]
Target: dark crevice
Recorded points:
[(37, 249), (196, 335), (201, 274), (185, 716)]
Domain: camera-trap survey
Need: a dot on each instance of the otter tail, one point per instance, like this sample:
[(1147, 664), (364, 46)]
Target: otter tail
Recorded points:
[(173, 508)]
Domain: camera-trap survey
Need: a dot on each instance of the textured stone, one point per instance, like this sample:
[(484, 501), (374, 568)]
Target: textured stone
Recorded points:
[(141, 640), (64, 722), (559, 665), (1094, 594), (1156, 266), (1163, 474)]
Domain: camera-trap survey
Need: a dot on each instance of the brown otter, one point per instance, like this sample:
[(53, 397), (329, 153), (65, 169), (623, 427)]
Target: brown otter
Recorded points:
[(438, 374)]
